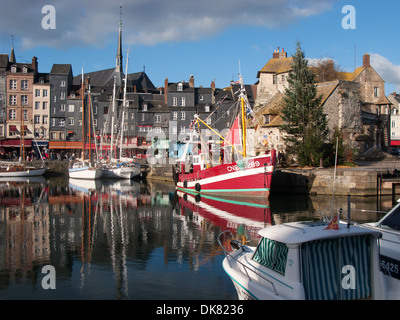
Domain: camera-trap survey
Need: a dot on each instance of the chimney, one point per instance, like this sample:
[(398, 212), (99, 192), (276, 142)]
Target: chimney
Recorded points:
[(275, 55), (282, 54), (366, 61), (213, 85), (35, 64), (166, 91), (191, 81)]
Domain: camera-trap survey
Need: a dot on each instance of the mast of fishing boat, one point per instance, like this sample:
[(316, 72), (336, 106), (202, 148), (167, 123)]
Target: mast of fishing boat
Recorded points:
[(243, 108)]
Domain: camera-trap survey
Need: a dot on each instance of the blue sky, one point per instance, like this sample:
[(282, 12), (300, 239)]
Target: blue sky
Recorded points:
[(177, 38)]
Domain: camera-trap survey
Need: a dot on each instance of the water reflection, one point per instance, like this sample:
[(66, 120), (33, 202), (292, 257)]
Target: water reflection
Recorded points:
[(131, 240)]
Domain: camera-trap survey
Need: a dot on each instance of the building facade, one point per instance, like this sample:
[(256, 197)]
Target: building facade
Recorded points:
[(19, 85), (355, 104), (41, 113), (3, 94), (60, 79)]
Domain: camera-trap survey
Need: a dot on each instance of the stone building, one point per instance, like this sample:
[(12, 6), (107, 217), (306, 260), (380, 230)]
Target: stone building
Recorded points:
[(355, 104), (273, 76)]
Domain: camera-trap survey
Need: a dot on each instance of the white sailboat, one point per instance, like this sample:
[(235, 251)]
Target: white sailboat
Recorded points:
[(84, 169), (21, 168), (115, 168)]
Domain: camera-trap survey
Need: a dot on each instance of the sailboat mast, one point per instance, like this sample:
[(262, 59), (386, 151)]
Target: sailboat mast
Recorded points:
[(90, 133), (124, 106), (112, 121), (22, 137), (83, 116)]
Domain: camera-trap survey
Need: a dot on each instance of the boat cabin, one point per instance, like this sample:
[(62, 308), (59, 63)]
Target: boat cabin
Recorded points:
[(304, 260)]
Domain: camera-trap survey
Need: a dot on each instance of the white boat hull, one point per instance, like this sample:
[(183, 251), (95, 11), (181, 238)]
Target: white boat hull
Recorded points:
[(120, 173), (85, 173), (307, 261), (31, 172)]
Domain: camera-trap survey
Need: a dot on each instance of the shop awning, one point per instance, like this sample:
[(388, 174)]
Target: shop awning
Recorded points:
[(65, 145), (16, 143), (395, 143)]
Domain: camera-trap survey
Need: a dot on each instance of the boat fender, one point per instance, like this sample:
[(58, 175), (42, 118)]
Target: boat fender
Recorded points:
[(197, 186), (197, 198), (235, 244), (185, 184)]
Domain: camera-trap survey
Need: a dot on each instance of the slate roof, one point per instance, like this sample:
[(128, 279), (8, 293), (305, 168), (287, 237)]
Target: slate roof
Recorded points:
[(105, 78), (3, 61), (61, 69)]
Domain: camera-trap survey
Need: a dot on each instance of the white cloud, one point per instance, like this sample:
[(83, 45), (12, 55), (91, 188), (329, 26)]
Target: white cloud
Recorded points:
[(388, 71), (90, 22)]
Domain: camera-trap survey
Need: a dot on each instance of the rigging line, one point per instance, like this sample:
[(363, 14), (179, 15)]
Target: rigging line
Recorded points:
[(219, 103)]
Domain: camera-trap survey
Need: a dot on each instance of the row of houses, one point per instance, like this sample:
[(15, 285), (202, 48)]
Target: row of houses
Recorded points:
[(49, 110)]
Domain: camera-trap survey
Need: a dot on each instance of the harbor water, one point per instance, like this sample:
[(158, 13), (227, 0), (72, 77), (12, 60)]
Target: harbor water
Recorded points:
[(110, 240)]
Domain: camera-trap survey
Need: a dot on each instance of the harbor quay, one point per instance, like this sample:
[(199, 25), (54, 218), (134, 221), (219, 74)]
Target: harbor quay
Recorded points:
[(366, 179)]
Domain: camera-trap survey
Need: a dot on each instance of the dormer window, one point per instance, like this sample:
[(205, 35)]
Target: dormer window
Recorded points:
[(180, 86), (145, 107), (14, 69), (24, 69)]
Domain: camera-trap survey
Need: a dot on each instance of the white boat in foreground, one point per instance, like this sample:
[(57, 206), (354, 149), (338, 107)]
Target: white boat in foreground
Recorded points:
[(307, 261), (389, 245)]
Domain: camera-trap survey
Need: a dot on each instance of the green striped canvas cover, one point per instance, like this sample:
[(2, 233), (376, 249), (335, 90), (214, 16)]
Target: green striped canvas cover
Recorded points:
[(272, 254), (322, 263)]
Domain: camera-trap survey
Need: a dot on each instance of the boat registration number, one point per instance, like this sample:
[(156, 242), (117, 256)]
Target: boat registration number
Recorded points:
[(390, 266), (253, 164)]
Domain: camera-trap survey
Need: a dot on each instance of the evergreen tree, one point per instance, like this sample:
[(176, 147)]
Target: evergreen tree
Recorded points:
[(305, 123)]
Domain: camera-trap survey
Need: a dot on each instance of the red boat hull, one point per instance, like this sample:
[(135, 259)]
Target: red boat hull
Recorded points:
[(252, 178)]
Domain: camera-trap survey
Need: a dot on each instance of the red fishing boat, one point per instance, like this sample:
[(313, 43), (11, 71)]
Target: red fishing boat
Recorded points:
[(243, 176)]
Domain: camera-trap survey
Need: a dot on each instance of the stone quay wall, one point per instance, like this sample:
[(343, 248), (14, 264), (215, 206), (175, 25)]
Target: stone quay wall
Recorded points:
[(348, 181)]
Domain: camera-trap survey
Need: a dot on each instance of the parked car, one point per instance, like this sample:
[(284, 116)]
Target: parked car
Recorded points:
[(395, 152)]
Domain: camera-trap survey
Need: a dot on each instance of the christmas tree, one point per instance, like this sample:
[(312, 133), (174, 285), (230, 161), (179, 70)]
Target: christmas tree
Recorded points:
[(305, 123)]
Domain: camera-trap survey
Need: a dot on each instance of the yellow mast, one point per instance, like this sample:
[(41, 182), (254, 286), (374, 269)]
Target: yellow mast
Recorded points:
[(243, 127), (199, 120)]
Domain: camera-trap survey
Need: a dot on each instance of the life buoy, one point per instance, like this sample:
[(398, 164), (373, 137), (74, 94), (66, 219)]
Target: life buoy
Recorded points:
[(197, 186)]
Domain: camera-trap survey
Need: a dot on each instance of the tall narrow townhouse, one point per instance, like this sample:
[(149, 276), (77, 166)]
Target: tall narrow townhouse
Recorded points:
[(41, 110), (19, 84), (3, 69), (60, 81)]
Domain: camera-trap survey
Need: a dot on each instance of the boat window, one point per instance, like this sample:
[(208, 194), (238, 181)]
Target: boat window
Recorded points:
[(322, 268), (272, 254), (392, 220)]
